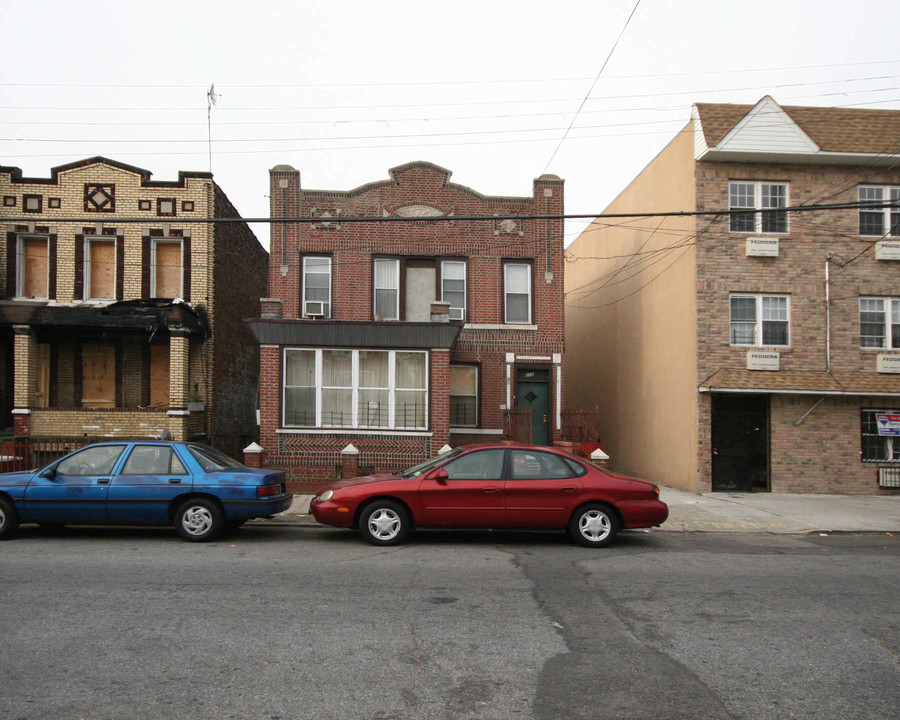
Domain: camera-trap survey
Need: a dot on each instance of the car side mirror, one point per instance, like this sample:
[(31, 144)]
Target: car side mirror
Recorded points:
[(441, 475), (49, 473)]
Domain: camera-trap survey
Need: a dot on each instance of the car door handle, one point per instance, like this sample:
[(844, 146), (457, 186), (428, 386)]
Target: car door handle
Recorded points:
[(491, 490), (103, 481), (174, 481), (569, 489)]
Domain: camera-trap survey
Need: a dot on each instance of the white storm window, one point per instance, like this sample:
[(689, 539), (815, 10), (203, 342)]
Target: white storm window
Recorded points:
[(386, 389), (166, 269), (517, 293), (453, 287), (33, 267), (316, 287), (387, 288), (100, 269), (879, 323), (760, 320), (879, 221), (757, 198)]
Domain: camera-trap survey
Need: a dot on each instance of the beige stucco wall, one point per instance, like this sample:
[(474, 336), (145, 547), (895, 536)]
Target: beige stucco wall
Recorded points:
[(633, 353)]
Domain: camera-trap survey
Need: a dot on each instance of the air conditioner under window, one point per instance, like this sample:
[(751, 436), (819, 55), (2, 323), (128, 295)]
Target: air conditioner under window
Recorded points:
[(457, 313), (314, 309)]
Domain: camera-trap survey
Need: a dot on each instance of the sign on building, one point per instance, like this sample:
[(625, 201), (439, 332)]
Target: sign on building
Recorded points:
[(763, 360), (888, 424), (888, 363), (762, 247)]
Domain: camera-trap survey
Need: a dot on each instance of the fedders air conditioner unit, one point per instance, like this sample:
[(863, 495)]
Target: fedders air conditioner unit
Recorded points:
[(457, 313), (314, 309)]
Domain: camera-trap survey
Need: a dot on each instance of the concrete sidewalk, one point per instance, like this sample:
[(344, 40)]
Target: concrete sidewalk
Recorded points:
[(739, 512)]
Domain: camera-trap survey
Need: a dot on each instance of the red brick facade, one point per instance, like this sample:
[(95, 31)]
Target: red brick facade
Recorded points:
[(505, 350)]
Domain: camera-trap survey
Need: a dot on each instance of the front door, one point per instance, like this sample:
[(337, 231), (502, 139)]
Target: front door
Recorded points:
[(740, 443), (533, 391)]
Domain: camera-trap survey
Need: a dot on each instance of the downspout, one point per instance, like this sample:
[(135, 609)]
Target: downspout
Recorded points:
[(828, 256)]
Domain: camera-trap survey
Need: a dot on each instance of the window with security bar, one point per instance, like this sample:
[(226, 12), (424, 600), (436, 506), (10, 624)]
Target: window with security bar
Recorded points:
[(877, 446), (760, 320)]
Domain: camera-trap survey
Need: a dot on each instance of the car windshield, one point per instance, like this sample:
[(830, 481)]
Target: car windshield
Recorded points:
[(211, 460), (424, 467)]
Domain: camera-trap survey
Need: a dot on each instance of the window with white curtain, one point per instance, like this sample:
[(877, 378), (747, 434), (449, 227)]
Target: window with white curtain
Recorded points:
[(387, 288), (385, 389)]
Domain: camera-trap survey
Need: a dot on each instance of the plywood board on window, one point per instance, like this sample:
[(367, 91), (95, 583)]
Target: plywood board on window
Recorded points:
[(36, 273), (168, 270), (103, 269), (42, 376), (98, 370), (159, 376)]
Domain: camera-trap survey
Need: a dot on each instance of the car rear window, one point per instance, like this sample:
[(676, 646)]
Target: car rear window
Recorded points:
[(211, 460)]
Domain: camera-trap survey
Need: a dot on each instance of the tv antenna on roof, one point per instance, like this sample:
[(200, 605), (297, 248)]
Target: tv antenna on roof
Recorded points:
[(211, 98)]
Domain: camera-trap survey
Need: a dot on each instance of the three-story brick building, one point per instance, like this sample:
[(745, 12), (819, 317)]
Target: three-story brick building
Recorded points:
[(406, 315), (748, 347), (122, 309)]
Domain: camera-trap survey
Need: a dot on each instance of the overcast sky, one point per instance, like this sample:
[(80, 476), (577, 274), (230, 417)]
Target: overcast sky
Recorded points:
[(343, 90)]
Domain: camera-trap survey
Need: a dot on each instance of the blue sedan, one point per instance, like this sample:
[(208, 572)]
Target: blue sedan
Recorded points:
[(194, 487)]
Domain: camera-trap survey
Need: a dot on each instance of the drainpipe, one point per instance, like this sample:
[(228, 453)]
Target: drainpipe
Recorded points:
[(828, 256)]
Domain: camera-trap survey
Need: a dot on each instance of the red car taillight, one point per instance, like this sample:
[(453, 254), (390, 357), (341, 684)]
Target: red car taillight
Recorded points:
[(268, 490)]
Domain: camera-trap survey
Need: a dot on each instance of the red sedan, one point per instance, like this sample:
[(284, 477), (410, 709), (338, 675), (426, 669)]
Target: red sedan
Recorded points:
[(494, 486)]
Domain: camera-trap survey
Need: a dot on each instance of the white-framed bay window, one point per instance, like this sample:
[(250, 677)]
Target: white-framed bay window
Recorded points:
[(349, 388), (760, 320)]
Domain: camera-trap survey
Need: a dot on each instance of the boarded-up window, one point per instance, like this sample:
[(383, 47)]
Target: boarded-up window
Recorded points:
[(34, 267), (159, 376), (98, 372), (42, 376), (101, 270), (167, 270)]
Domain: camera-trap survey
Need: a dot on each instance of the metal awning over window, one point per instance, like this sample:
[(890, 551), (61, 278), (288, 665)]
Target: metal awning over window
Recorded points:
[(325, 333)]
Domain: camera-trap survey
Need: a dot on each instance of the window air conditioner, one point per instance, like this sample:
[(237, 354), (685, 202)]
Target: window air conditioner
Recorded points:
[(456, 313), (314, 308)]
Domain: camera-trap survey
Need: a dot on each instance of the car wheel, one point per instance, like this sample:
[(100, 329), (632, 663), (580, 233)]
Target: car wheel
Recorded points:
[(9, 519), (199, 520), (594, 525), (384, 522)]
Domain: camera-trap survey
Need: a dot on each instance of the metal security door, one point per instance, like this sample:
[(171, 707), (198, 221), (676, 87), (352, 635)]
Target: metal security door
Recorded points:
[(740, 443)]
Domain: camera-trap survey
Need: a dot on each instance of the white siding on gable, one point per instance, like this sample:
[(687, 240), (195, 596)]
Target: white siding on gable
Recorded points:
[(767, 128), (700, 146)]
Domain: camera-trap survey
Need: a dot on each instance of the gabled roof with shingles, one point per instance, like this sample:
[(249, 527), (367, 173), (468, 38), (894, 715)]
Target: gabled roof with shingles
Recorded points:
[(840, 130)]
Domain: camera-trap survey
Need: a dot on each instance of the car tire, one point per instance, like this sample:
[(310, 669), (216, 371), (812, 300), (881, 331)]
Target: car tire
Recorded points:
[(594, 525), (384, 522), (9, 519), (199, 520)]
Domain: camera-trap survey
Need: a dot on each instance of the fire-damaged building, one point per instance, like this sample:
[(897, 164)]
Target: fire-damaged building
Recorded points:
[(120, 313)]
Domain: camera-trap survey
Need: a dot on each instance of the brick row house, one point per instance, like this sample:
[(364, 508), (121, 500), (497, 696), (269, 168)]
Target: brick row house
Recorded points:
[(119, 316), (384, 340), (751, 348)]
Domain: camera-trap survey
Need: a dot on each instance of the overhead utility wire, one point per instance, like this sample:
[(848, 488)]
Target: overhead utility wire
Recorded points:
[(454, 218)]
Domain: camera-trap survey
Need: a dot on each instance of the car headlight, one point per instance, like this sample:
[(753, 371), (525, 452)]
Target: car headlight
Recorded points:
[(325, 496)]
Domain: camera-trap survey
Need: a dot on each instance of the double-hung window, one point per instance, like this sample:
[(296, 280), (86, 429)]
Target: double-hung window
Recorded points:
[(879, 221), (316, 286), (517, 301), (343, 388), (33, 267), (463, 396), (875, 446), (760, 320), (763, 202), (453, 287), (879, 323), (387, 288)]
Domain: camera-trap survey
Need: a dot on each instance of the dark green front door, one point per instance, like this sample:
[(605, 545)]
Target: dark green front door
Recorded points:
[(533, 391)]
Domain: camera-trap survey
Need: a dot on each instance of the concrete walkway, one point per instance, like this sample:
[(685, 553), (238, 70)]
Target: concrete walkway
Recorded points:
[(740, 512)]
